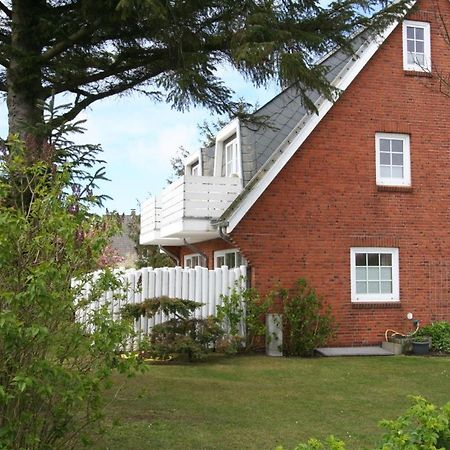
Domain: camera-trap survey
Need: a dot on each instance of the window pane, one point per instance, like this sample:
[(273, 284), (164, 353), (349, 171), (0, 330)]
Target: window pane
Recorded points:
[(420, 47), (373, 259), (385, 158), (386, 273), (385, 171), (188, 263), (419, 59), (410, 32), (361, 287), (195, 261), (397, 146), (419, 34), (373, 287), (410, 46), (220, 261), (397, 159), (397, 172), (386, 259), (360, 259), (230, 259), (385, 145), (386, 287), (373, 273), (361, 273), (410, 58)]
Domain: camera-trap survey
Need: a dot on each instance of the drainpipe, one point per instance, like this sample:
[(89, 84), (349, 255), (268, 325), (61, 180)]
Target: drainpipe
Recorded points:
[(194, 249), (222, 234), (169, 254)]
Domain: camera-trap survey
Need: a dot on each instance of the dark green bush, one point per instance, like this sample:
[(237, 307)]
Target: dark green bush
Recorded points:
[(181, 334), (307, 323), (440, 336)]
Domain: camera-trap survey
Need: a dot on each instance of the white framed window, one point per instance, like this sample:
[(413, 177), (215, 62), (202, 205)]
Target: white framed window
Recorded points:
[(195, 169), (393, 161), (231, 158), (231, 258), (416, 46), (193, 260), (374, 274)]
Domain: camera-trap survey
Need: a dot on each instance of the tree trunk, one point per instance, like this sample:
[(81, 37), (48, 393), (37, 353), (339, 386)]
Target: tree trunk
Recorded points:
[(24, 79)]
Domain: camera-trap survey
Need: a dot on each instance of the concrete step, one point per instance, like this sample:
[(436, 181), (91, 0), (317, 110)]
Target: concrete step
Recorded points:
[(353, 351)]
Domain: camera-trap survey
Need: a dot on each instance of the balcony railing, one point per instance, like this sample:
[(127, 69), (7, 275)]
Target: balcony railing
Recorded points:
[(186, 208)]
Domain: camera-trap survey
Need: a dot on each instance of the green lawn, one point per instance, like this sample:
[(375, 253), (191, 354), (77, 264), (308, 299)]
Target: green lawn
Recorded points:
[(259, 402)]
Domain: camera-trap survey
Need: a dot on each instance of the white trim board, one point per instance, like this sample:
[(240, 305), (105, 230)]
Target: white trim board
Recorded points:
[(301, 132)]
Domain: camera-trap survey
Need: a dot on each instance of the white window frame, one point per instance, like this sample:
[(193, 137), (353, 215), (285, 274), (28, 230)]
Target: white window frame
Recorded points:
[(192, 160), (385, 181), (417, 67), (195, 169), (193, 255), (374, 298), (231, 155), (222, 253)]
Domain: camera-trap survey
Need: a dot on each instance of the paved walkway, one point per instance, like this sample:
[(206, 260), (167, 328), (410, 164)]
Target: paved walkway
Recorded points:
[(353, 351)]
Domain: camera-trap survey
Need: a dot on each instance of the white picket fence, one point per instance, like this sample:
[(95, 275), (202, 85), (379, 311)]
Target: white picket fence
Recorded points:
[(198, 284)]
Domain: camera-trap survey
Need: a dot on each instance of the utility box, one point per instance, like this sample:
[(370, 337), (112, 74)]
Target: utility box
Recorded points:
[(274, 335)]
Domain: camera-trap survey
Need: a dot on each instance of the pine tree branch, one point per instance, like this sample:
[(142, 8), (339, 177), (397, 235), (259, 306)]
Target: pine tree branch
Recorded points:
[(61, 46), (5, 10), (91, 98)]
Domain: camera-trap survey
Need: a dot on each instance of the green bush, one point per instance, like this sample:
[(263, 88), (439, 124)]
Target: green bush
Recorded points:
[(307, 323), (242, 315), (181, 334), (440, 336), (52, 370), (423, 426)]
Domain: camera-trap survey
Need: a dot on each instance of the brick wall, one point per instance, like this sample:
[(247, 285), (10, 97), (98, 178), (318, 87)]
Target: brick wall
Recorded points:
[(326, 200)]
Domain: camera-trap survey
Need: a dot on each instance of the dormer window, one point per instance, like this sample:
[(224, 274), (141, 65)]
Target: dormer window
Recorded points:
[(416, 46), (195, 169), (227, 155), (231, 158), (193, 165)]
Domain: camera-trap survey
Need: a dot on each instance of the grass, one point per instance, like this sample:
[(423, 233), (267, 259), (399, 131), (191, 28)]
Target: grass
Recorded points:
[(258, 402)]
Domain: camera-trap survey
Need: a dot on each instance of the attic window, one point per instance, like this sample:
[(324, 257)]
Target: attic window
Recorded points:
[(231, 158), (195, 169), (416, 46)]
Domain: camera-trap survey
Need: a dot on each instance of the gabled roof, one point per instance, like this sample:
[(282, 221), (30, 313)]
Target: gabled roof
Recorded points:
[(266, 151)]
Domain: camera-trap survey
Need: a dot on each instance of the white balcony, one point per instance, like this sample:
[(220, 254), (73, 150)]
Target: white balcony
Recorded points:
[(185, 209)]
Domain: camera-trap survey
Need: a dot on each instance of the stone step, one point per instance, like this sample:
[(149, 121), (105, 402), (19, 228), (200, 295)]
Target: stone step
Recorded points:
[(353, 351)]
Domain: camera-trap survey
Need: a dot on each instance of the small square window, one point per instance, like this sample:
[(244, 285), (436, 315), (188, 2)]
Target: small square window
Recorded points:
[(374, 274), (393, 166), (194, 260), (416, 46)]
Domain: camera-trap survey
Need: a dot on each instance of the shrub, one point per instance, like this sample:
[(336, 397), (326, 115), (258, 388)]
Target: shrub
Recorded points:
[(423, 426), (307, 324), (52, 370), (242, 315), (440, 336), (181, 334)]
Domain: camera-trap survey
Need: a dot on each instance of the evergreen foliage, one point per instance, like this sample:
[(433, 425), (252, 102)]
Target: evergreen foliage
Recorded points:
[(169, 51)]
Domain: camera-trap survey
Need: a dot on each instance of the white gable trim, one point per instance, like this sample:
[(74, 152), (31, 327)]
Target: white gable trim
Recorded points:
[(309, 122)]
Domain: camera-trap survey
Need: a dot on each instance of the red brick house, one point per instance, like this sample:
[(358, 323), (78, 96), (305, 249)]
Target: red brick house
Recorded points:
[(356, 198)]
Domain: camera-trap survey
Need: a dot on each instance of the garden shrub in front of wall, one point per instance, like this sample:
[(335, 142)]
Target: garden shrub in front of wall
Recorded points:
[(423, 426), (307, 322), (440, 336), (181, 334), (242, 316)]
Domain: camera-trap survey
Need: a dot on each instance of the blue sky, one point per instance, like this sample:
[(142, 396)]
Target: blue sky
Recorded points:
[(139, 137)]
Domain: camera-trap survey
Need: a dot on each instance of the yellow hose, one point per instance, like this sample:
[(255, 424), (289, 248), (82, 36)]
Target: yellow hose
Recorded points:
[(397, 333)]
